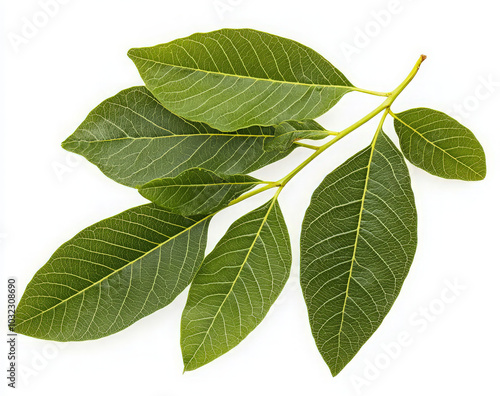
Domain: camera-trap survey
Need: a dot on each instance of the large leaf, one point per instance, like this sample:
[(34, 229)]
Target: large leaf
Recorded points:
[(235, 78), (440, 145), (289, 132), (197, 191), (112, 274), (236, 285), (358, 241), (133, 139)]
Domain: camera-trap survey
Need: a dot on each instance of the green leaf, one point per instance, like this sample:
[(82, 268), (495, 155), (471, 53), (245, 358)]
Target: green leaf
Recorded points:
[(358, 241), (236, 285), (112, 274), (440, 145), (197, 191), (133, 139), (235, 78), (289, 132)]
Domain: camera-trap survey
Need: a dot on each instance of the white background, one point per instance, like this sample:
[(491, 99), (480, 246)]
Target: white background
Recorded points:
[(77, 58)]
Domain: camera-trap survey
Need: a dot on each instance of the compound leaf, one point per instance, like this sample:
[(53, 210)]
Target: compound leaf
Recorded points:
[(358, 241), (236, 285), (289, 132), (197, 191), (440, 145), (112, 274), (133, 139), (235, 78)]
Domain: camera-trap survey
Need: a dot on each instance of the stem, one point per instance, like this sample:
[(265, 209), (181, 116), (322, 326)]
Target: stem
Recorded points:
[(408, 79), (384, 107), (309, 146), (376, 93), (254, 192), (380, 125)]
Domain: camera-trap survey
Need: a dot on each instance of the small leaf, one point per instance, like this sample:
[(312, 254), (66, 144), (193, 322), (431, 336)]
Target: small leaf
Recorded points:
[(290, 131), (235, 78), (358, 241), (440, 145), (236, 285), (197, 191), (133, 139), (112, 274)]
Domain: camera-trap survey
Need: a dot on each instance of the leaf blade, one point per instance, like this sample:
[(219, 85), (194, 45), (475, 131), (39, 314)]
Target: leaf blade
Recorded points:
[(357, 244), (289, 132), (235, 78), (440, 145), (112, 274), (226, 302), (197, 191), (133, 139)]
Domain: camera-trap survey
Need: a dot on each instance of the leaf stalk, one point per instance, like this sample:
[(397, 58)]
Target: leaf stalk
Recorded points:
[(384, 107)]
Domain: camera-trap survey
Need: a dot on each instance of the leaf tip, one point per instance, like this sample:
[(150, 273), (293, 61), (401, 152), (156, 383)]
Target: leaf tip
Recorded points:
[(480, 175), (336, 367), (334, 371), (133, 53), (72, 145), (66, 145), (188, 367)]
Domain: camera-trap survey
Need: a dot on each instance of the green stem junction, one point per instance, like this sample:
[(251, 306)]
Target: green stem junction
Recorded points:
[(385, 107)]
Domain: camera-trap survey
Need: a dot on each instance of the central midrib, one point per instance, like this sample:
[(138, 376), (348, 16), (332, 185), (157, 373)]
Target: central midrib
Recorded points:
[(200, 185), (235, 280), (347, 87), (167, 136), (358, 229)]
